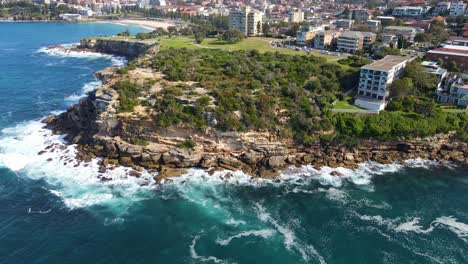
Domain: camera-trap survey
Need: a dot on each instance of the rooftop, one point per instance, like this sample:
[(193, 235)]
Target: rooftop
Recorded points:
[(451, 51), (387, 63), (400, 28)]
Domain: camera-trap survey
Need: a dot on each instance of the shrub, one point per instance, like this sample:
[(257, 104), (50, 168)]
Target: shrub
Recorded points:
[(187, 144)]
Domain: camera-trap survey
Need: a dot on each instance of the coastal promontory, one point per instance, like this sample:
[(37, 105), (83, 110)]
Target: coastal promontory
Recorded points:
[(172, 109)]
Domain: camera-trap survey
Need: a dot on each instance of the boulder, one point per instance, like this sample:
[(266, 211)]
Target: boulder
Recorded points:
[(276, 161)]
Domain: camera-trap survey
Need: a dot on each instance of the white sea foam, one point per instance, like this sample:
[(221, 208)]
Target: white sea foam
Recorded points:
[(77, 183), (62, 51), (264, 233), (234, 222), (87, 87), (291, 242), (195, 256), (412, 225), (452, 223), (303, 175)]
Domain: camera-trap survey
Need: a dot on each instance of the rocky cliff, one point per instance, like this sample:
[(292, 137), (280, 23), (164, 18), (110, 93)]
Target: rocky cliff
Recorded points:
[(120, 47), (135, 139)]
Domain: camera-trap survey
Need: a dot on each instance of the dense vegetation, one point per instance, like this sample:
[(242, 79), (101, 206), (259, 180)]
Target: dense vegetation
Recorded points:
[(28, 10), (287, 95)]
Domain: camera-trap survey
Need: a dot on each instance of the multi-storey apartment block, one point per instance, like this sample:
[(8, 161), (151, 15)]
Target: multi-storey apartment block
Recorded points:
[(352, 41), (247, 21), (374, 81)]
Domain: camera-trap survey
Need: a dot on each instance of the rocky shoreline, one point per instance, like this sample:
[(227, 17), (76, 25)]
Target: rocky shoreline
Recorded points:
[(135, 140), (95, 125)]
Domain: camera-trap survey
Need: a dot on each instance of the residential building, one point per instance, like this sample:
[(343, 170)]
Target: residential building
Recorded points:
[(325, 39), (344, 23), (453, 90), (374, 25), (434, 68), (386, 18), (360, 15), (442, 8), (407, 33), (409, 11), (247, 21), (458, 42), (295, 16), (375, 79), (352, 41), (450, 53), (70, 17), (306, 34), (457, 8)]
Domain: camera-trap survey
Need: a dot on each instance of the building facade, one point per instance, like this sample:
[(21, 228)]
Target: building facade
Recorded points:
[(295, 16), (352, 41), (457, 8), (453, 91), (442, 8), (450, 53), (247, 21), (409, 11), (325, 39), (375, 78), (408, 33)]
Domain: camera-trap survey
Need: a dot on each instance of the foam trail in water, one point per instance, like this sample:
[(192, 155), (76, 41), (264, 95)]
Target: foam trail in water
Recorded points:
[(63, 51), (264, 233), (412, 225), (234, 222), (194, 254), (290, 240), (452, 223), (34, 152)]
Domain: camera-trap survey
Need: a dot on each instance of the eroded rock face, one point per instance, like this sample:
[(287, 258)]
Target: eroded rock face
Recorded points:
[(129, 49)]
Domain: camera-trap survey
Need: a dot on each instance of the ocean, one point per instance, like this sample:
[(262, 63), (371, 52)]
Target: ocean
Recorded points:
[(56, 210)]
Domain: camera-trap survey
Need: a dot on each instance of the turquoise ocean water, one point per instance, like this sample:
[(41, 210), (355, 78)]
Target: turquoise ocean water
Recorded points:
[(53, 210)]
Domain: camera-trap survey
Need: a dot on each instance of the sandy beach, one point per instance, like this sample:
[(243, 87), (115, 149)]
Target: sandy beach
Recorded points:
[(153, 24)]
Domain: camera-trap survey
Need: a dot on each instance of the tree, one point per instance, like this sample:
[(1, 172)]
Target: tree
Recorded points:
[(126, 33), (453, 67), (401, 88), (232, 36), (199, 37)]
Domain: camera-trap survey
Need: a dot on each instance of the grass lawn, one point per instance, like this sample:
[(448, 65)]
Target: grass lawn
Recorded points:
[(345, 105), (260, 44), (454, 110)]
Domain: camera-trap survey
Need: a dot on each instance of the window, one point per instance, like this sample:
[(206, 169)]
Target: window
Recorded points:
[(361, 92), (374, 96), (368, 94), (380, 97)]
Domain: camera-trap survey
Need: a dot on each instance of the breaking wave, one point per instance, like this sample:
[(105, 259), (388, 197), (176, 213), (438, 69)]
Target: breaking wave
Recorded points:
[(87, 87), (35, 152), (63, 51)]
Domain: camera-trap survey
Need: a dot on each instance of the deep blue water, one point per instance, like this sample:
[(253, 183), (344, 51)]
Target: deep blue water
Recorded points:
[(54, 211)]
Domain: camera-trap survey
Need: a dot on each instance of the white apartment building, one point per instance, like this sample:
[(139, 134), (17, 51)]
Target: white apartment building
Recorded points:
[(247, 21), (442, 8), (453, 91), (409, 11), (295, 16), (457, 9), (374, 80)]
